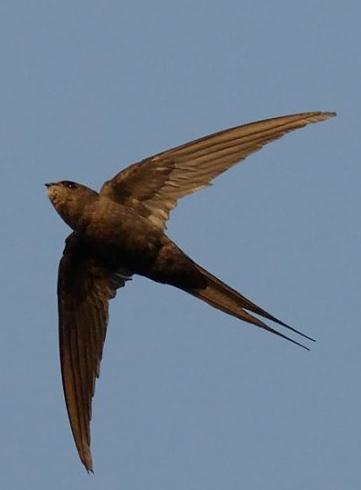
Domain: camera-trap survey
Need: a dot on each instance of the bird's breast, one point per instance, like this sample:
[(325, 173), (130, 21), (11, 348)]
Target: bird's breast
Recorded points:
[(120, 234)]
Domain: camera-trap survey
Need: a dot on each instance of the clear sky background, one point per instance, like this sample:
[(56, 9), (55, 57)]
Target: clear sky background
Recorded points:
[(189, 398)]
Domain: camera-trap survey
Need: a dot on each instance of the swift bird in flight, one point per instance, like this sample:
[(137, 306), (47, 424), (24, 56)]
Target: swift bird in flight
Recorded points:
[(120, 231)]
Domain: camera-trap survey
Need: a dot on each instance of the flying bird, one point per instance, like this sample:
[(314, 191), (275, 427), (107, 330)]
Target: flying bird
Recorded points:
[(120, 231)]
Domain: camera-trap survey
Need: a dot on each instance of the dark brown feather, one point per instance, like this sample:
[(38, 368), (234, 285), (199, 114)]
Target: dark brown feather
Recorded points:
[(124, 231), (154, 185), (85, 285), (224, 298)]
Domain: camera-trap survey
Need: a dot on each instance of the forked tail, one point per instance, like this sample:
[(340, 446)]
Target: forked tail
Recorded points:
[(226, 299)]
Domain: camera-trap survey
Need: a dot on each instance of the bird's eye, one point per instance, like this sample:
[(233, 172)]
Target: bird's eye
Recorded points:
[(68, 184)]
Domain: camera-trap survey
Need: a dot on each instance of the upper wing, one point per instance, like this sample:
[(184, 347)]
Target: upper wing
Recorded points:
[(85, 285), (154, 185)]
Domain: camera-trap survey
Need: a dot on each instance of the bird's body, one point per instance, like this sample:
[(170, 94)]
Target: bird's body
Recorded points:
[(127, 241), (120, 232)]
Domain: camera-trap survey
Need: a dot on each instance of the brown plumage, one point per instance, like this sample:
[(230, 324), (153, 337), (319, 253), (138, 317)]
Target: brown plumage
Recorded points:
[(120, 232)]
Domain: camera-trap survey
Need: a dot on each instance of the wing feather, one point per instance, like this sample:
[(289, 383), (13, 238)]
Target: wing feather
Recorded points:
[(154, 185), (85, 286)]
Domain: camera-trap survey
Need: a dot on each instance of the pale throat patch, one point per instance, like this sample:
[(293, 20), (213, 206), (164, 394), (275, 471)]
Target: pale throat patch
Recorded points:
[(54, 195)]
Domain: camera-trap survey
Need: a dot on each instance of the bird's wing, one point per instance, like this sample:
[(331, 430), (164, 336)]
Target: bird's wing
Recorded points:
[(154, 185), (85, 285)]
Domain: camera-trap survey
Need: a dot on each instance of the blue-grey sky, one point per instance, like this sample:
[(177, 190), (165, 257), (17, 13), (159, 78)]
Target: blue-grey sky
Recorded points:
[(188, 397)]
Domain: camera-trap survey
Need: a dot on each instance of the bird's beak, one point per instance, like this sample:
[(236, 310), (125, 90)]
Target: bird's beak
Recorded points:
[(51, 189)]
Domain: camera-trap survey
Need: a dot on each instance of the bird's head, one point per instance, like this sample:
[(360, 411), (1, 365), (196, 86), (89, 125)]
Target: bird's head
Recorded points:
[(70, 200)]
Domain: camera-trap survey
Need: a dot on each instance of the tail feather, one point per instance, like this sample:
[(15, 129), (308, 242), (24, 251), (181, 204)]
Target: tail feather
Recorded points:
[(224, 298)]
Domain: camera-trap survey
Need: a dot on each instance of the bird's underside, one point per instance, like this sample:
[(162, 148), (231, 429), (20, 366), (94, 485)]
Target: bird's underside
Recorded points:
[(98, 260)]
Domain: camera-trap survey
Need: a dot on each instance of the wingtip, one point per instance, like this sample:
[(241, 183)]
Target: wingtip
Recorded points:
[(318, 116), (86, 459), (328, 114)]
